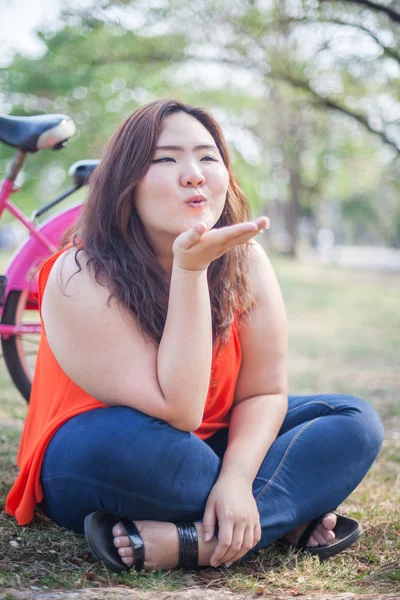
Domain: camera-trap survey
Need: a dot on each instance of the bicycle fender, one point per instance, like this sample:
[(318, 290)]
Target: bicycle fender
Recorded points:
[(22, 270)]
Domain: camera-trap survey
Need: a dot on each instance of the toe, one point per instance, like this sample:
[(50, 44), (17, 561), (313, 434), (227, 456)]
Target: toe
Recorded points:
[(329, 521), (317, 535), (328, 535), (125, 552), (312, 542), (126, 555), (122, 542), (118, 530)]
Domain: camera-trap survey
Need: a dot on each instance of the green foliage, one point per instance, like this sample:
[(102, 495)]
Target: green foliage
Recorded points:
[(298, 87)]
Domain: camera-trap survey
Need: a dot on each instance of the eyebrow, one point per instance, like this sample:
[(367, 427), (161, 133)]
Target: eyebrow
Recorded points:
[(181, 149)]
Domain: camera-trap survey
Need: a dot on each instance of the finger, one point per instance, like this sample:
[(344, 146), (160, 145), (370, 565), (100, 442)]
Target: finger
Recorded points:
[(187, 239), (232, 231), (236, 544), (242, 239), (221, 243), (259, 223), (209, 520), (236, 234), (224, 542), (257, 533), (262, 222), (247, 235), (248, 543)]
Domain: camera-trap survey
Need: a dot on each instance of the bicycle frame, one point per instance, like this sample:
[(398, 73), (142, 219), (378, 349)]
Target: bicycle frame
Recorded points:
[(42, 242)]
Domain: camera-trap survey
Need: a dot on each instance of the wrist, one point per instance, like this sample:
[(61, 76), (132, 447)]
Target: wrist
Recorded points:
[(235, 474), (180, 268)]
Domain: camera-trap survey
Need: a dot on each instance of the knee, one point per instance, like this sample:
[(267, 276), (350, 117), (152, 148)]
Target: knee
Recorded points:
[(366, 424)]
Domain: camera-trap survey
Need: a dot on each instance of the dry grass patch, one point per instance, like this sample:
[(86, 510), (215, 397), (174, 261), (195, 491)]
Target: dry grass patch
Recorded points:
[(344, 337)]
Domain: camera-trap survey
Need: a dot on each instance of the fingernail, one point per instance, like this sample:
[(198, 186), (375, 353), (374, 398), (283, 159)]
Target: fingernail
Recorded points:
[(207, 536), (228, 564)]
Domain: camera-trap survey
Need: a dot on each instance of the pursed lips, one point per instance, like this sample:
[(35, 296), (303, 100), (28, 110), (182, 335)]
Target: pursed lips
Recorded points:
[(196, 201)]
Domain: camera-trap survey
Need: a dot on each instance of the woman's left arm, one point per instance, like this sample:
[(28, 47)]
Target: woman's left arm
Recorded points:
[(261, 391), (259, 409)]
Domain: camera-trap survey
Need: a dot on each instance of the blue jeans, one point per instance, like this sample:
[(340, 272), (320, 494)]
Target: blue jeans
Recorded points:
[(121, 461)]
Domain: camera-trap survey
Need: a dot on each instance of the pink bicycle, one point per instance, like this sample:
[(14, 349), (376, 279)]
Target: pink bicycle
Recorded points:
[(20, 322)]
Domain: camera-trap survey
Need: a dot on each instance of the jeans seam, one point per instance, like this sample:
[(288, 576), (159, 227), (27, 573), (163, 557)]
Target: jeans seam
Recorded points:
[(333, 408), (285, 456)]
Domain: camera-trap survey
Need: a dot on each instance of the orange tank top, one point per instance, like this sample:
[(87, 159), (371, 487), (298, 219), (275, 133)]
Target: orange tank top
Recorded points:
[(55, 398)]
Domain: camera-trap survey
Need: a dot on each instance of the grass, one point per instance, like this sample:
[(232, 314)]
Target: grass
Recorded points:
[(344, 330)]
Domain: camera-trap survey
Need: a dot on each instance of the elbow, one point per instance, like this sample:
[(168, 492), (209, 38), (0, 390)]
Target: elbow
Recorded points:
[(187, 427), (186, 422), (184, 417)]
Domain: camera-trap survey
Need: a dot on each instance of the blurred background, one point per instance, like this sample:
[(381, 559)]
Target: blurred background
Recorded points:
[(307, 92), (308, 95)]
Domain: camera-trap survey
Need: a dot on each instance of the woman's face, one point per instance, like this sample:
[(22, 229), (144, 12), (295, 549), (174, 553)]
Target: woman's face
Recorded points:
[(187, 181)]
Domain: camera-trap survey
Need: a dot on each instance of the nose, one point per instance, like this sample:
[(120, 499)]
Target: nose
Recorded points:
[(192, 177)]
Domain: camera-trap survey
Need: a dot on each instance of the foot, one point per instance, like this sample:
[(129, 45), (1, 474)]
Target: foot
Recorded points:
[(161, 545), (321, 536), (161, 542)]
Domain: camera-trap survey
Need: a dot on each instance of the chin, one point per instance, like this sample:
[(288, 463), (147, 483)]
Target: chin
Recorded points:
[(190, 222)]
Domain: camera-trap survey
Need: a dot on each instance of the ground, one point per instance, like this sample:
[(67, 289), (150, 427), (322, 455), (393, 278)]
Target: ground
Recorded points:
[(344, 336)]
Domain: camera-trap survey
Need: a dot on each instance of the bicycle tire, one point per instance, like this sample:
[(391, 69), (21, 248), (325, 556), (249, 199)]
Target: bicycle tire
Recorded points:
[(14, 352)]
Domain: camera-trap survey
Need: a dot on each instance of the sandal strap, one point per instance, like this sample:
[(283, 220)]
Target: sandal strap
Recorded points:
[(188, 545), (137, 543), (309, 530), (305, 536)]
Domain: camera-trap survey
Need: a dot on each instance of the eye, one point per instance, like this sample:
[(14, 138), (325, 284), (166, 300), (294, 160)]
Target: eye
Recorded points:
[(209, 158), (164, 159)]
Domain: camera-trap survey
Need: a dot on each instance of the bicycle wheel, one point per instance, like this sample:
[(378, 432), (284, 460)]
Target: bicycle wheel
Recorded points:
[(20, 351)]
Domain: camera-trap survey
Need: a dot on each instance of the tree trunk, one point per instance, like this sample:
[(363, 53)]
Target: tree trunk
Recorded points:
[(292, 212)]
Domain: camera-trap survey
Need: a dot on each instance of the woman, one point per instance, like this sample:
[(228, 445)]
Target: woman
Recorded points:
[(164, 311)]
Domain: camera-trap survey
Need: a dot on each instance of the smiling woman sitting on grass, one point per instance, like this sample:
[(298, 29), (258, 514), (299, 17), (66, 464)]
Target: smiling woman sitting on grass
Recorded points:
[(160, 423)]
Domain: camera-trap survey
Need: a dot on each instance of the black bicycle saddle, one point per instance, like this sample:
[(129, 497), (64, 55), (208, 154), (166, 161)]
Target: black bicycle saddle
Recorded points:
[(37, 132), (81, 171)]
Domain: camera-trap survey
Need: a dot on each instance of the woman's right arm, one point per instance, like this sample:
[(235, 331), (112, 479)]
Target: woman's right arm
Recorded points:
[(185, 351), (101, 348)]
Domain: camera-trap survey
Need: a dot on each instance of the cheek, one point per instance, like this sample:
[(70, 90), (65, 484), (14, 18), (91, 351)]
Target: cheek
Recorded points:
[(152, 185), (221, 182)]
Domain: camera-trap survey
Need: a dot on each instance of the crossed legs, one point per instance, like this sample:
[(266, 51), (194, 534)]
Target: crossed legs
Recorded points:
[(121, 461)]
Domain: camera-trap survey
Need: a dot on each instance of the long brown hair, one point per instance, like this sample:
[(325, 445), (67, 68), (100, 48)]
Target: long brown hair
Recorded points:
[(119, 253)]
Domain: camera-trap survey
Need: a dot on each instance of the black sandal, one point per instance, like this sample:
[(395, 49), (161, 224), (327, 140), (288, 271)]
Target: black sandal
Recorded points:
[(347, 531), (98, 531)]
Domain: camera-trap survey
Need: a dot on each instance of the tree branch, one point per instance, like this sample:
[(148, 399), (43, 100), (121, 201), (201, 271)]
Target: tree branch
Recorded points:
[(392, 14), (301, 84), (386, 49), (325, 103)]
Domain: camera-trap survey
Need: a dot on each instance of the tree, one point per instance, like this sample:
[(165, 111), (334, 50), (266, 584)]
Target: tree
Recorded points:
[(326, 98)]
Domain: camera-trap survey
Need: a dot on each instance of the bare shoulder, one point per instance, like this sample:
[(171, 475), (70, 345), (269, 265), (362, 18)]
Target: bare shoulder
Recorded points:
[(257, 253), (260, 269), (71, 277), (73, 290)]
